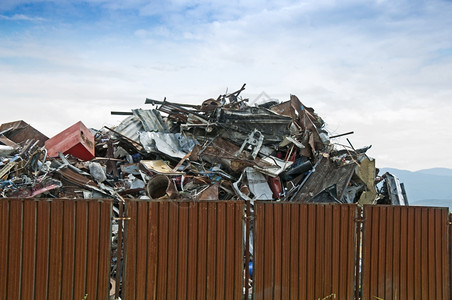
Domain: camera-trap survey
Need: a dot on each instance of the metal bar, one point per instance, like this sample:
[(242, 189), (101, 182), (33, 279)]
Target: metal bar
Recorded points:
[(182, 251), (14, 257), (299, 251), (68, 250), (28, 249), (104, 241), (173, 240), (121, 113), (193, 243), (211, 250), (229, 284), (342, 134), (42, 250), (119, 251), (449, 228), (153, 242), (285, 247), (141, 250), (277, 233), (201, 282), (4, 229), (56, 247), (157, 102), (247, 215), (130, 252)]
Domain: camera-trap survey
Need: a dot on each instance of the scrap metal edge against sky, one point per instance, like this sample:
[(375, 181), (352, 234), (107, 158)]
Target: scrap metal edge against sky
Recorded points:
[(224, 148)]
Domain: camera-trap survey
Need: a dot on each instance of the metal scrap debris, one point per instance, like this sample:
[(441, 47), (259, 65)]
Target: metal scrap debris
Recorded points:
[(222, 148)]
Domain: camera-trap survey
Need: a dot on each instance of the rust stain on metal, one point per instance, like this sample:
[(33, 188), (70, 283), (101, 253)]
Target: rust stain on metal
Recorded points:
[(193, 249), (298, 253), (405, 253)]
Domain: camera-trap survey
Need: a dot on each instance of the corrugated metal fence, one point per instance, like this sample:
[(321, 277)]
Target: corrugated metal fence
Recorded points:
[(59, 249), (184, 250), (405, 253), (54, 249), (304, 251)]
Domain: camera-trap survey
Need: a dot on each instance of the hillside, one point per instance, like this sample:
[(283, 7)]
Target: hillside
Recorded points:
[(430, 187)]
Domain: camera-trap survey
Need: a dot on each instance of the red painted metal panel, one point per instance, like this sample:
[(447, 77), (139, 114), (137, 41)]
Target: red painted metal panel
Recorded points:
[(76, 140)]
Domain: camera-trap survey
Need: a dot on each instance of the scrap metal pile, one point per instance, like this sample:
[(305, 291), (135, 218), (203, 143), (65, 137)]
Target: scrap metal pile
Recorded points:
[(221, 149)]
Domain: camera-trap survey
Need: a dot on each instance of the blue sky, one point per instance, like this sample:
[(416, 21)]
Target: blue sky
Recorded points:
[(379, 68)]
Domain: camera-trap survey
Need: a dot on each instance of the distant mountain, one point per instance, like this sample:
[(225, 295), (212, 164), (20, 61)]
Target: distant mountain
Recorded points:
[(430, 187), (436, 171)]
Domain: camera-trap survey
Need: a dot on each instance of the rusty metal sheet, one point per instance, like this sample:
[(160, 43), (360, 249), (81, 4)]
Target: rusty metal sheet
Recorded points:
[(43, 248), (450, 253), (304, 251), (92, 247), (327, 173), (28, 249), (21, 131), (55, 248), (193, 249), (4, 228), (142, 233), (405, 253), (68, 249), (14, 243)]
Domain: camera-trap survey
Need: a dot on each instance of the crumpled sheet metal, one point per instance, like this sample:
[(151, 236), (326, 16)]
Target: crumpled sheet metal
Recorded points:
[(326, 174), (221, 148)]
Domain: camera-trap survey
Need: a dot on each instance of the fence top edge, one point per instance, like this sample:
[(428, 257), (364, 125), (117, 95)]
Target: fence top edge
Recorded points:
[(407, 207), (182, 201), (57, 199)]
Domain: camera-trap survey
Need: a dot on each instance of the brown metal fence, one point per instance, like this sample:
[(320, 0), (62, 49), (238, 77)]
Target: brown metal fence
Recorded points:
[(450, 254), (304, 251), (405, 253), (54, 249), (184, 250), (59, 249)]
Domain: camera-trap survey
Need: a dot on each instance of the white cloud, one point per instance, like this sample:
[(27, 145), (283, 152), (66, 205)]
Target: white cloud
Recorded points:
[(375, 69), (21, 17)]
